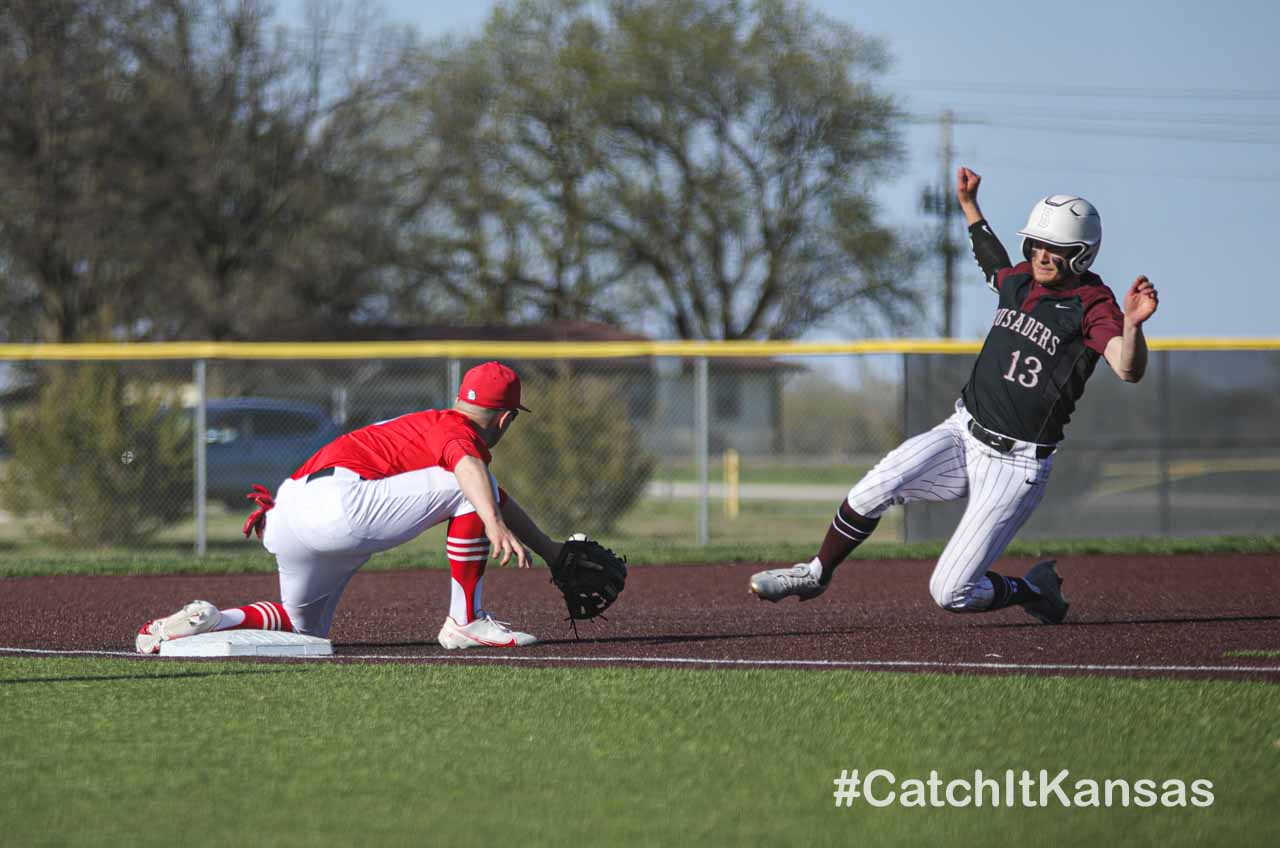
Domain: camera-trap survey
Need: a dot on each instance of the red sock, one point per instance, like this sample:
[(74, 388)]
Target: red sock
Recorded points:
[(468, 549), (264, 615)]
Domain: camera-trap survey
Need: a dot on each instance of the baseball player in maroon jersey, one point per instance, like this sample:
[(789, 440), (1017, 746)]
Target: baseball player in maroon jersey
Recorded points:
[(1053, 321), (374, 489)]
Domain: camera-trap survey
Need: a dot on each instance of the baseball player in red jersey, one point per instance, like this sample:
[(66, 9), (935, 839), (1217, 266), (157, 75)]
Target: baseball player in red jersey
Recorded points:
[(1053, 322), (374, 489)]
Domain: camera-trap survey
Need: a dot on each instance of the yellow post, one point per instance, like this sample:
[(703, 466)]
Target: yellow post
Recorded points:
[(731, 483)]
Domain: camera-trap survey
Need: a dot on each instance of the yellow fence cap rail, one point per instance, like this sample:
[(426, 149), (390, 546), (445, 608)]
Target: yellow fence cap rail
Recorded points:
[(538, 350)]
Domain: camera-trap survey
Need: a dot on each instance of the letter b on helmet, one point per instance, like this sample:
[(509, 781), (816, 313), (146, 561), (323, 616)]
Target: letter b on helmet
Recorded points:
[(1065, 221)]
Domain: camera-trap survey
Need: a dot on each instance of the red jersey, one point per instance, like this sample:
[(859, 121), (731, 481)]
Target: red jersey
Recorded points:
[(418, 440)]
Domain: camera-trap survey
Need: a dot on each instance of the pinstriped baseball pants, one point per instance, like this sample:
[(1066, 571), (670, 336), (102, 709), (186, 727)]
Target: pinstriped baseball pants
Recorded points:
[(945, 464)]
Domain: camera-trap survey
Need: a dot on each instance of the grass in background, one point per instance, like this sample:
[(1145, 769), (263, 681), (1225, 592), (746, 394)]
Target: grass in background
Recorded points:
[(759, 522), (116, 751), (771, 469), (427, 551), (668, 519)]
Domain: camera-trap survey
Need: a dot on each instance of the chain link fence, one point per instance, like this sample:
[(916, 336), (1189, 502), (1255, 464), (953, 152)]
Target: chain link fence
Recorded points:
[(710, 444), (1192, 450)]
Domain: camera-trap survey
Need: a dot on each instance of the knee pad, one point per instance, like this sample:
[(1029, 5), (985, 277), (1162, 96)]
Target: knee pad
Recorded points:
[(971, 597)]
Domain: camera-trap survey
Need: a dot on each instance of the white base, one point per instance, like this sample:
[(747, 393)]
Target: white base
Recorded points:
[(247, 643)]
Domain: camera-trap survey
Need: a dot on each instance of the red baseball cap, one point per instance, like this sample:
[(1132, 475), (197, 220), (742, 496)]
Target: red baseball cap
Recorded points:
[(493, 386)]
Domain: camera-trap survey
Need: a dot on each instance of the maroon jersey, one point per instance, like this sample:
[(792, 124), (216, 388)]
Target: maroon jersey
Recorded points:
[(1040, 352), (418, 440)]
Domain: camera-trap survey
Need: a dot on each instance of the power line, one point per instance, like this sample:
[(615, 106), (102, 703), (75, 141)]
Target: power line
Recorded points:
[(1016, 165), (1127, 132), (1262, 94), (1120, 115), (1250, 177), (1060, 124)]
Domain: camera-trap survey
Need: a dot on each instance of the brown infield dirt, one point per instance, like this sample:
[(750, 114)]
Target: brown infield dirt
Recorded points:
[(1169, 616)]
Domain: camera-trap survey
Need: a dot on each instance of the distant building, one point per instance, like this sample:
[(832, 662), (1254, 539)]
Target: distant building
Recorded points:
[(745, 394)]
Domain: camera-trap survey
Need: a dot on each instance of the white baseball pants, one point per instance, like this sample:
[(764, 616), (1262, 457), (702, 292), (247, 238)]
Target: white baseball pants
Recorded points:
[(323, 531), (945, 464)]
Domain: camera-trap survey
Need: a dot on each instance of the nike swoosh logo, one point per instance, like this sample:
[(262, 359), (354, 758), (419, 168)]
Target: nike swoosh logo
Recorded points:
[(1029, 482), (1062, 306)]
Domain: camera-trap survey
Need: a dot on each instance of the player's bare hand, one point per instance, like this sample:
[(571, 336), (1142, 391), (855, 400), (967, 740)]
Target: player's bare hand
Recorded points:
[(1141, 301), (503, 544), (967, 183)]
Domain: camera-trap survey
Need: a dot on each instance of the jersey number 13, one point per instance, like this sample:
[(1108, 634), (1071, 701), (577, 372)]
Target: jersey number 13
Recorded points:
[(1029, 375)]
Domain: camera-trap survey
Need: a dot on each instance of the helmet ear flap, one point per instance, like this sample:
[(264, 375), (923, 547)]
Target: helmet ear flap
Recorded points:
[(1084, 257)]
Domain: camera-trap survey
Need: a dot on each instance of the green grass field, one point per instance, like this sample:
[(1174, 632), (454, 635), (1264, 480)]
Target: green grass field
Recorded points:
[(427, 551), (102, 752), (113, 751)]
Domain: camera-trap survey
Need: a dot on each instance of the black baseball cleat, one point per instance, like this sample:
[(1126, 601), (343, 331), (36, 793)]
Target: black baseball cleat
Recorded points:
[(1050, 607)]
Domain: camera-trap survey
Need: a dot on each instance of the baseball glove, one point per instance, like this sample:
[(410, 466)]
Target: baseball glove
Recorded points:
[(589, 575)]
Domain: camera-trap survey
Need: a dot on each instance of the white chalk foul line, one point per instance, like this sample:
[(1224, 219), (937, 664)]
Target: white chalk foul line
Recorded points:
[(69, 653), (873, 664)]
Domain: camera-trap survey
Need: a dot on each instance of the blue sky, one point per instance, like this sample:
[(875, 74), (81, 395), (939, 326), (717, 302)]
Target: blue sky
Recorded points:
[(1166, 117)]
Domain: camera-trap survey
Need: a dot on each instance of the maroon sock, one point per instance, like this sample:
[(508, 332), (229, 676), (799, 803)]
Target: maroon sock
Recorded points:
[(1009, 591), (848, 530)]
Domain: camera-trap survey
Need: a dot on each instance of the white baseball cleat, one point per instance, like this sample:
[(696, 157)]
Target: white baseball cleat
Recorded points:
[(195, 617), (485, 632), (802, 580)]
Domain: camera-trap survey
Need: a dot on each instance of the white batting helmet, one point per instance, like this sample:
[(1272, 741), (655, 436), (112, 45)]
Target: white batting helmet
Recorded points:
[(1065, 221)]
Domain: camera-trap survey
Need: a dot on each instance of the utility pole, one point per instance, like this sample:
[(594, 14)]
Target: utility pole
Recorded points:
[(940, 201)]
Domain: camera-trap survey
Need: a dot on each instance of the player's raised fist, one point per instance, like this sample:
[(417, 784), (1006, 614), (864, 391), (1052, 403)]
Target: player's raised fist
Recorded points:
[(1140, 301), (967, 185)]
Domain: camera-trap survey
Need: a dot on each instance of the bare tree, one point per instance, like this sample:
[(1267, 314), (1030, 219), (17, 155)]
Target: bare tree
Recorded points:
[(181, 169), (65, 265), (503, 134), (706, 163), (267, 186)]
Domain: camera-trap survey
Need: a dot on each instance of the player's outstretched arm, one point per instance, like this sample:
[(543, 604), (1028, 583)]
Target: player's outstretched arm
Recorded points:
[(967, 183), (987, 249), (473, 479), (1127, 352), (528, 531)]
